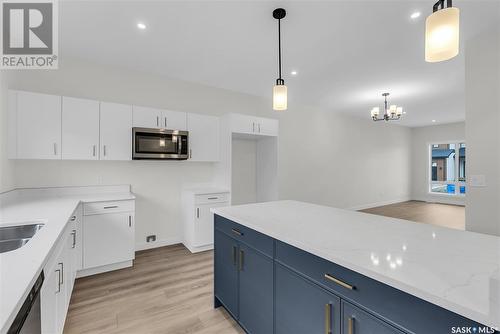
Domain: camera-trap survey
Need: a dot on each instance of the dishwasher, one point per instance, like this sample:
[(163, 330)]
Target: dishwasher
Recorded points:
[(27, 320)]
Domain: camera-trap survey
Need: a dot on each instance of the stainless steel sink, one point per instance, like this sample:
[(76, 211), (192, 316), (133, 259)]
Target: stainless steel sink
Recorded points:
[(14, 237)]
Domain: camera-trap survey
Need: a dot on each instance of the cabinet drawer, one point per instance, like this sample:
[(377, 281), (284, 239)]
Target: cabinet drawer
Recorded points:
[(212, 198), (394, 306), (97, 208), (257, 240)]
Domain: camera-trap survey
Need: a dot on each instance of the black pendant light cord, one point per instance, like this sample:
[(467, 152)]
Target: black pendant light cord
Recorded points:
[(440, 3), (278, 14)]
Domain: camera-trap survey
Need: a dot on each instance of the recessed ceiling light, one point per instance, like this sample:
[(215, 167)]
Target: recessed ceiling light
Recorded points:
[(141, 26), (433, 121), (293, 73), (415, 15)]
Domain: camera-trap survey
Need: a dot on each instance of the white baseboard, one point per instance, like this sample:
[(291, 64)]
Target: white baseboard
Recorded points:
[(374, 205), (158, 243), (103, 269), (198, 249)]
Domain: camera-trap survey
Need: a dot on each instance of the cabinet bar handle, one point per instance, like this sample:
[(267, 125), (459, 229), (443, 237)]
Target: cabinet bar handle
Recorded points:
[(339, 282), (235, 250), (62, 273), (253, 127), (111, 207), (197, 212), (328, 318), (235, 231), (129, 221), (259, 127), (165, 122), (58, 271), (190, 153), (73, 233), (350, 325), (242, 257), (104, 149), (213, 198), (157, 121), (55, 149)]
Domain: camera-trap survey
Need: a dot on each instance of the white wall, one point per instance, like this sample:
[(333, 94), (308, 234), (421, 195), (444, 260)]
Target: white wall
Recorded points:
[(7, 181), (333, 159), (482, 130), (244, 171), (324, 157), (421, 138)]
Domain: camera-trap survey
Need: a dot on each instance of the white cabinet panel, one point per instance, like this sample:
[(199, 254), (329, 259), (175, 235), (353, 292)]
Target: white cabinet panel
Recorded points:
[(203, 137), (38, 126), (174, 120), (80, 129), (116, 131), (144, 117), (108, 239), (242, 123), (267, 126)]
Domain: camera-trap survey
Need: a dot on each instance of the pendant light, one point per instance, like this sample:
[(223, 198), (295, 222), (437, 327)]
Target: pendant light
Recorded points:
[(279, 90), (442, 29)]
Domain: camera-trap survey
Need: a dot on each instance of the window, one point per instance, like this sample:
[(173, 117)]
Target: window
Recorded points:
[(447, 169)]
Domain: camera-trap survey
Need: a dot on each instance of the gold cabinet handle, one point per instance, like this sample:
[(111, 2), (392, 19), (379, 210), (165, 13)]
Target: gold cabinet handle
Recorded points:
[(235, 231), (328, 318), (242, 256), (350, 325), (339, 282), (234, 255)]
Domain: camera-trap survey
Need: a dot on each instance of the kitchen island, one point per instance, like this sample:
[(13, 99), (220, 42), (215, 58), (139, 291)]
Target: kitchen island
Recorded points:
[(294, 267)]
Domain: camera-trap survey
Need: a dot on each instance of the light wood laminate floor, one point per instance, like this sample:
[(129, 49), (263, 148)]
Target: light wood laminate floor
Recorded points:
[(168, 290), (452, 216)]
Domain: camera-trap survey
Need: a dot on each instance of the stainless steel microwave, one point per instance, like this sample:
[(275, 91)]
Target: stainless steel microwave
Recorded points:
[(161, 144)]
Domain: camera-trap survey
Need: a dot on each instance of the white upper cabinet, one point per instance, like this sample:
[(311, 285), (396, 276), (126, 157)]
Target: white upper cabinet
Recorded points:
[(80, 129), (203, 137), (116, 131), (254, 125), (146, 117), (38, 125)]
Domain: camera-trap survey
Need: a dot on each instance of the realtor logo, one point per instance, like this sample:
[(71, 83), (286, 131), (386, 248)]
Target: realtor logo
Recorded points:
[(29, 34)]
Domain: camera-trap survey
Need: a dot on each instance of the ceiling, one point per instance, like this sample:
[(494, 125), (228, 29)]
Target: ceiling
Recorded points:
[(346, 53)]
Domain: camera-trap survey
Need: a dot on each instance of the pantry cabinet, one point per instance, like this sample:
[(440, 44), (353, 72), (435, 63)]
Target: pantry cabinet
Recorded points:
[(203, 137), (146, 117), (116, 131), (80, 129), (37, 131)]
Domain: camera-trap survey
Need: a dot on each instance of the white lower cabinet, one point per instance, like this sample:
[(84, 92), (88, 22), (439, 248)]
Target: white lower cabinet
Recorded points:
[(108, 235), (198, 220), (60, 273)]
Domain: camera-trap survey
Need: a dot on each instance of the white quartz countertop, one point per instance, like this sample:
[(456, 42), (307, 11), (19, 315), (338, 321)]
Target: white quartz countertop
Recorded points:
[(457, 270), (20, 268)]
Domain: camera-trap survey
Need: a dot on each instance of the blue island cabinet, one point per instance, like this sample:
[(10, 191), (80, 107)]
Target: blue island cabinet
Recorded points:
[(269, 287), (244, 278)]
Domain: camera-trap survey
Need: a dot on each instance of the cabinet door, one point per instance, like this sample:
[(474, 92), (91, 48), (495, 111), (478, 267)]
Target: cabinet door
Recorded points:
[(204, 224), (80, 129), (145, 117), (173, 120), (38, 126), (356, 321), (226, 271), (256, 290), (116, 131), (303, 307), (203, 137), (48, 300), (267, 126), (107, 239), (243, 124)]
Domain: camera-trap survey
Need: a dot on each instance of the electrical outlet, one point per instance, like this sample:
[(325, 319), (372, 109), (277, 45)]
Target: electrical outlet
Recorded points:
[(151, 238)]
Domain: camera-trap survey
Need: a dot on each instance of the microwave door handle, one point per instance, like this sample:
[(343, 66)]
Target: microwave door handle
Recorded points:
[(180, 144)]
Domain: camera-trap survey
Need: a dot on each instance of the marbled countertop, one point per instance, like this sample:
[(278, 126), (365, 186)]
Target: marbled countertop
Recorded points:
[(20, 268), (457, 270)]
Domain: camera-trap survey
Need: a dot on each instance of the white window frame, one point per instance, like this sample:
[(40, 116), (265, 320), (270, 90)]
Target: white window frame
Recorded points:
[(456, 182)]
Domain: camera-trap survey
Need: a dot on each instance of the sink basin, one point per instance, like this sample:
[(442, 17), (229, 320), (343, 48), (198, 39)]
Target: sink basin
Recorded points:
[(10, 245), (14, 237), (19, 231)]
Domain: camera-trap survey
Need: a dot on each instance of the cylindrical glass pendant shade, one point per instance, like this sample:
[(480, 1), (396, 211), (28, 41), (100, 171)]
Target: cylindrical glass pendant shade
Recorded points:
[(442, 35), (279, 97)]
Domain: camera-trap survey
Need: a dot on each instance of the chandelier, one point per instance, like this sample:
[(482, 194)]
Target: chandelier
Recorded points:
[(392, 113)]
